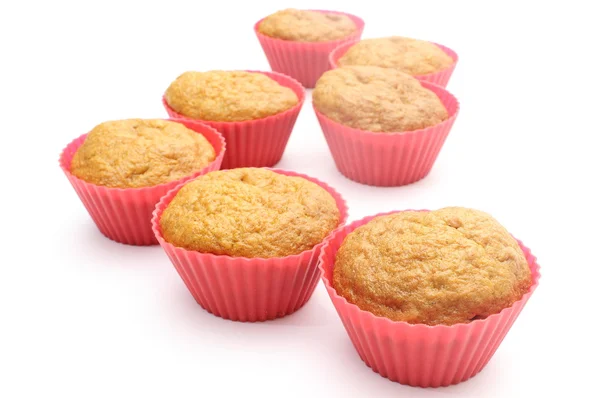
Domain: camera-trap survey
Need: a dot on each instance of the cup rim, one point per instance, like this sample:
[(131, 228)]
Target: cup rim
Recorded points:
[(437, 90), (358, 21), (77, 142), (294, 85), (340, 50), (347, 229), (168, 197)]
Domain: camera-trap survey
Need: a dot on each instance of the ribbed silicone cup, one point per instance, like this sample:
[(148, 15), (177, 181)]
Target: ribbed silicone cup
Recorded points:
[(420, 355), (388, 159), (304, 61), (259, 142), (440, 78), (247, 289), (124, 215)]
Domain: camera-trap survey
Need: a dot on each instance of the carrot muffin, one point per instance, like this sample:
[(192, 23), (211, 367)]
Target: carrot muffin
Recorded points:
[(228, 96), (377, 99), (447, 266), (415, 57), (249, 212), (308, 26), (137, 153)]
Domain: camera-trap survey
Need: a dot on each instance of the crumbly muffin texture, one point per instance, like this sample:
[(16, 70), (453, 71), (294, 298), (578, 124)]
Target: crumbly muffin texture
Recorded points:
[(377, 99), (249, 212), (137, 153), (415, 57), (305, 25), (228, 96), (447, 266)]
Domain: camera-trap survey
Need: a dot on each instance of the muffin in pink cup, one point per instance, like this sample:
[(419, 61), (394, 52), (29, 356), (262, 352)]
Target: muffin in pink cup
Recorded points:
[(122, 168), (426, 61), (431, 295), (298, 42), (383, 127), (246, 241), (254, 111)]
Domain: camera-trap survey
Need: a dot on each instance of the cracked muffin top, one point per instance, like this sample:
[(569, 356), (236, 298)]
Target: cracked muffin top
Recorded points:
[(135, 153), (228, 96), (412, 56), (305, 25), (380, 100), (249, 212), (446, 266)]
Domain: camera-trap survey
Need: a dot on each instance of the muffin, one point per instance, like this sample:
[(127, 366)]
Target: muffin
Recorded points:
[(412, 56), (252, 213), (136, 153), (297, 43), (443, 267), (228, 96), (122, 168), (246, 242), (254, 111), (427, 317), (380, 100), (383, 127), (307, 26)]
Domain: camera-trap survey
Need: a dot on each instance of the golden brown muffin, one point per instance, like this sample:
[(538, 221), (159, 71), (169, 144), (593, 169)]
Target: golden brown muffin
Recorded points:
[(305, 25), (415, 57), (228, 96), (249, 212), (447, 266), (137, 153), (377, 99)]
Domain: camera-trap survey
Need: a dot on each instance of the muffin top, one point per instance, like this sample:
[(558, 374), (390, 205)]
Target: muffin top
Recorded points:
[(249, 212), (305, 25), (447, 266), (137, 153), (228, 96), (377, 99), (415, 57)]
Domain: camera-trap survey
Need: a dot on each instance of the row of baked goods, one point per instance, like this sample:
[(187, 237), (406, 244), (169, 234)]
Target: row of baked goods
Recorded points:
[(426, 296), (383, 126), (304, 44)]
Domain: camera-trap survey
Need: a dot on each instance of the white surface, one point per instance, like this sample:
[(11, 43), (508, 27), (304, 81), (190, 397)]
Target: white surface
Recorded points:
[(82, 316)]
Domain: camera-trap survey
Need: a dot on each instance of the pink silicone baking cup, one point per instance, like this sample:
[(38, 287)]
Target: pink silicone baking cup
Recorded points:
[(388, 159), (420, 355), (259, 142), (124, 215), (304, 61), (247, 289), (440, 78)]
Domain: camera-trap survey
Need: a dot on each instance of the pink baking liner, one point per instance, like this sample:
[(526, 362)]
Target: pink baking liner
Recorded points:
[(247, 289), (304, 61), (388, 159), (440, 78), (123, 215), (420, 355), (259, 142)]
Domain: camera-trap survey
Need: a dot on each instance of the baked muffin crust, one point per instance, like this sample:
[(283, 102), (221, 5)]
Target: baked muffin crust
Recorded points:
[(228, 96), (377, 99), (249, 212), (305, 25), (447, 266), (135, 153), (412, 56)]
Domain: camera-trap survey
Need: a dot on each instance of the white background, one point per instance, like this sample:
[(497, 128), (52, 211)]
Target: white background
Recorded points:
[(81, 316)]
